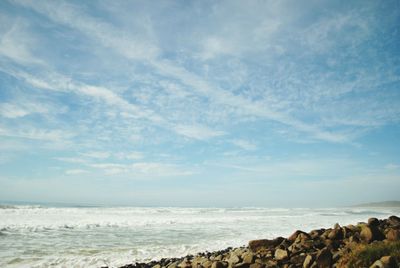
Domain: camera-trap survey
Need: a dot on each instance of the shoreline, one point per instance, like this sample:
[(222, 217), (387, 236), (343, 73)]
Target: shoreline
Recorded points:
[(321, 248)]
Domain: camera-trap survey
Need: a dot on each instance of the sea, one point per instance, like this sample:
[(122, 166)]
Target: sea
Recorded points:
[(79, 236)]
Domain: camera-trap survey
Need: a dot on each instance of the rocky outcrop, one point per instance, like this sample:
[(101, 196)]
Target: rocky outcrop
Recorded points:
[(323, 248)]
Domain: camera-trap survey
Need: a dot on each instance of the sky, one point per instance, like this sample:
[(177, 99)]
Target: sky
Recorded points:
[(200, 103)]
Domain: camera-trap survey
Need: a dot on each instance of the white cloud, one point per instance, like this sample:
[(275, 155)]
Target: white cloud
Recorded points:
[(198, 132), (75, 171), (97, 155), (142, 169), (244, 144), (15, 44), (37, 134), (23, 108)]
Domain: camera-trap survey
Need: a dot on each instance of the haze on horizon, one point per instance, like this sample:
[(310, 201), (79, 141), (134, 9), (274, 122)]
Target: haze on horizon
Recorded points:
[(200, 103)]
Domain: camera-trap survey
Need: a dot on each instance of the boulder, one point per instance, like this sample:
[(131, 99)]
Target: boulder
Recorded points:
[(393, 221), (255, 245), (389, 262), (377, 264), (293, 237), (173, 264), (219, 264), (307, 261), (336, 234), (373, 222), (370, 233), (393, 235), (257, 265), (248, 257), (298, 260), (233, 259), (185, 264), (241, 265), (324, 258), (281, 254), (207, 264)]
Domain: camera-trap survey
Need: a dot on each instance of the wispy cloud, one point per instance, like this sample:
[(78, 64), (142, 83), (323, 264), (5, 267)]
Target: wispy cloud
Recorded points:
[(244, 144), (15, 43)]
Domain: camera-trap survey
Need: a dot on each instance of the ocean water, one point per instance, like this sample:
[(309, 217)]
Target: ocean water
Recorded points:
[(40, 236)]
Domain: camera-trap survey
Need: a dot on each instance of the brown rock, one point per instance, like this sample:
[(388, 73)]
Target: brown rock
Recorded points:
[(298, 260), (219, 264), (336, 234), (307, 261), (393, 220), (393, 235), (389, 262), (255, 245), (324, 258), (293, 237), (377, 264), (369, 234), (173, 265), (185, 264), (241, 265), (257, 265), (207, 264), (233, 259), (373, 222), (281, 254), (248, 257)]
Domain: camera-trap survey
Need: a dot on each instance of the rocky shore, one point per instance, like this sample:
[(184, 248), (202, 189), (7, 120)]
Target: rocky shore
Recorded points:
[(375, 244)]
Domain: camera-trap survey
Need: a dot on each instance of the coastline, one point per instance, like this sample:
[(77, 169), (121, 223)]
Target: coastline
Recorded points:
[(340, 246)]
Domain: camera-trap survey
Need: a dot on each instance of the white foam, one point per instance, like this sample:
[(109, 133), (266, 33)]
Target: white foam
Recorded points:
[(34, 236)]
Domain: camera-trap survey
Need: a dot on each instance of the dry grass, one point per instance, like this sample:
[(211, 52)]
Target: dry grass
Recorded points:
[(363, 255)]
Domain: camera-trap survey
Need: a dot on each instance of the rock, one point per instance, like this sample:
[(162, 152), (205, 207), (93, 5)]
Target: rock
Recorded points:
[(241, 265), (185, 264), (393, 221), (173, 264), (298, 260), (374, 222), (369, 234), (281, 254), (255, 245), (257, 265), (207, 264), (393, 235), (307, 261), (336, 234), (324, 258), (219, 264), (293, 237), (377, 264), (233, 259), (389, 262), (157, 266), (248, 257)]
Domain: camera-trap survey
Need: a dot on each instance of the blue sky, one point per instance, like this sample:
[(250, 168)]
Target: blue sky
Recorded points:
[(200, 103)]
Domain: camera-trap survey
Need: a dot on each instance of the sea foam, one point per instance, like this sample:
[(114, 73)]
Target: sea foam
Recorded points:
[(40, 236)]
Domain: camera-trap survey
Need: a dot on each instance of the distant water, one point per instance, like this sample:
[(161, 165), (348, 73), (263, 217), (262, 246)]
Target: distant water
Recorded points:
[(38, 236)]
